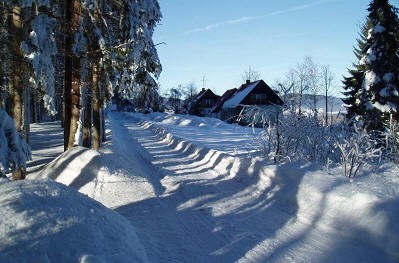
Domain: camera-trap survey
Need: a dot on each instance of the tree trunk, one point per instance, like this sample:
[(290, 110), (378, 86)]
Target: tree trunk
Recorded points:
[(87, 113), (60, 67), (3, 55), (75, 103), (16, 28), (326, 106), (16, 98), (96, 106), (104, 137), (34, 106), (72, 76), (26, 114), (68, 40), (102, 103)]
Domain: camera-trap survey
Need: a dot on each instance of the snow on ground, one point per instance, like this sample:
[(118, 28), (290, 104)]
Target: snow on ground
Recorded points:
[(207, 132), (191, 199), (47, 140), (44, 221)]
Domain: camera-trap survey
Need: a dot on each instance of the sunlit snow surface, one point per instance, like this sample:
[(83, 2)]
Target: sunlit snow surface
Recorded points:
[(192, 199), (43, 221)]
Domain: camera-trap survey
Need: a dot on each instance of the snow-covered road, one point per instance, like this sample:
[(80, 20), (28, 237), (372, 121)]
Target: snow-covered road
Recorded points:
[(197, 208), (192, 203), (203, 205)]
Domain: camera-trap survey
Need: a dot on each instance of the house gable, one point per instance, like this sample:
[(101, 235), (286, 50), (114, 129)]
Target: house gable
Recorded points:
[(206, 98), (262, 94), (203, 102), (254, 93)]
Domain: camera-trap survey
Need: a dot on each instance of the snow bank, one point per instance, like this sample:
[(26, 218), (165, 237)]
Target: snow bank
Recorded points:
[(76, 167), (43, 221)]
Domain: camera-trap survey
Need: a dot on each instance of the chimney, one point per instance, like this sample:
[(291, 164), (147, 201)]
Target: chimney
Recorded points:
[(203, 89), (248, 81)]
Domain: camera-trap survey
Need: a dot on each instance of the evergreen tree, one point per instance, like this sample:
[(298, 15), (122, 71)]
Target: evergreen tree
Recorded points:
[(84, 50), (353, 83), (380, 85)]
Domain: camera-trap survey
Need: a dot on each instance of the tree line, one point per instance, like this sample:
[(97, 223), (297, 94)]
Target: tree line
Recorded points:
[(69, 57)]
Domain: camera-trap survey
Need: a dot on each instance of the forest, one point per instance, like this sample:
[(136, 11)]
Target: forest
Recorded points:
[(69, 58)]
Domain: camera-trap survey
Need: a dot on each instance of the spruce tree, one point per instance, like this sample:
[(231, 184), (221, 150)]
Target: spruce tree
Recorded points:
[(353, 83), (380, 84), (352, 87)]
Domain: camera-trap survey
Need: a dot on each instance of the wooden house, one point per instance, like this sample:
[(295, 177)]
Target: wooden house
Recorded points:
[(203, 103), (257, 93)]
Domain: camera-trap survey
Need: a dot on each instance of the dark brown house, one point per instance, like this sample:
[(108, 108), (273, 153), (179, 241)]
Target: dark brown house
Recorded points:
[(251, 93), (203, 103)]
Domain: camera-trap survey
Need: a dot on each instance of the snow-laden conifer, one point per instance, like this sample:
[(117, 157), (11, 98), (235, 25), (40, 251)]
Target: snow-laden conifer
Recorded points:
[(14, 152), (40, 48), (352, 84), (380, 82)]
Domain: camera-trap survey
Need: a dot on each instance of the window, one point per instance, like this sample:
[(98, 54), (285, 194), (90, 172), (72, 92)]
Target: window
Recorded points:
[(259, 98), (207, 102)]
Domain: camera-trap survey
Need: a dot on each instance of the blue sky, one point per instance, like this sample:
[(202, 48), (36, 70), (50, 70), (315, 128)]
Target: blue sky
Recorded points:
[(220, 39)]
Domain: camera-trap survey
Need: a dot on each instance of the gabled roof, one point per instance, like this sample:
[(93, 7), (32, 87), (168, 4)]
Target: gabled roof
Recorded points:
[(240, 95), (227, 95), (202, 93), (245, 90)]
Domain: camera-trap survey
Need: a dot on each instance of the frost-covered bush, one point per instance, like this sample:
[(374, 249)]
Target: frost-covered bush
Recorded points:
[(296, 138), (391, 140), (356, 147), (14, 151), (290, 137), (256, 116)]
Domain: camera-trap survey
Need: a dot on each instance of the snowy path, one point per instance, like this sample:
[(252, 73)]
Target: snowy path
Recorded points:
[(47, 143), (194, 204), (192, 216), (204, 206)]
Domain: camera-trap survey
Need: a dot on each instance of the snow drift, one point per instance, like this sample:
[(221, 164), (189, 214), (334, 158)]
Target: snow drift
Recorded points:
[(76, 167), (43, 221)]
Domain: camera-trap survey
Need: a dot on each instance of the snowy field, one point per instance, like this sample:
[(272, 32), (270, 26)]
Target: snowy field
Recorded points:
[(192, 190)]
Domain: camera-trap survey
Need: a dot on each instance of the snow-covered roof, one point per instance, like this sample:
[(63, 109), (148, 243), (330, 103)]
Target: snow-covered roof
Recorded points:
[(240, 95), (227, 95)]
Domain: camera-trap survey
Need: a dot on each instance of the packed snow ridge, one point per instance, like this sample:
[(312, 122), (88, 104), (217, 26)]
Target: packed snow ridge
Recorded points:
[(194, 189)]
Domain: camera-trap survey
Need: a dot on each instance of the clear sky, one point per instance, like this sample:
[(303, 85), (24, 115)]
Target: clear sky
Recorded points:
[(220, 39)]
